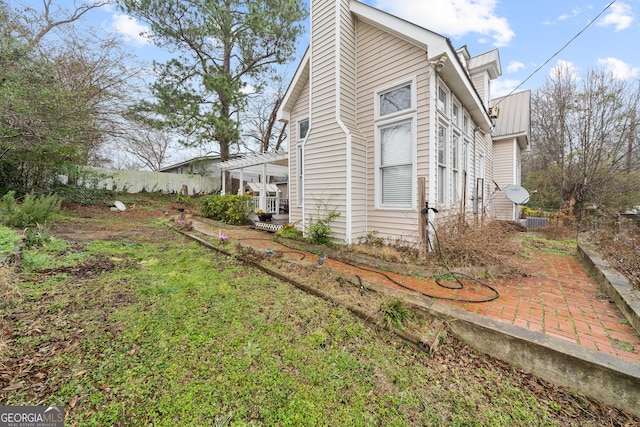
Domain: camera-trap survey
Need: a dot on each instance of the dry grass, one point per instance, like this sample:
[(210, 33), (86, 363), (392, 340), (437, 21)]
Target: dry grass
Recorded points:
[(558, 231), (8, 290), (620, 245), (490, 245)]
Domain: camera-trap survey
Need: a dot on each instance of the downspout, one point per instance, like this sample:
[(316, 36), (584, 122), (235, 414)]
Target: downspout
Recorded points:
[(343, 127), (475, 168), (433, 144)]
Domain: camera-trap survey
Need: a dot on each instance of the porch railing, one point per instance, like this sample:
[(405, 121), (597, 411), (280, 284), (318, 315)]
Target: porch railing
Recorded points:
[(274, 205)]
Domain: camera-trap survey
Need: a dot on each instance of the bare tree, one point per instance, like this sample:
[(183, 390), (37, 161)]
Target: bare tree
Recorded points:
[(581, 131), (53, 15), (152, 147), (261, 128)]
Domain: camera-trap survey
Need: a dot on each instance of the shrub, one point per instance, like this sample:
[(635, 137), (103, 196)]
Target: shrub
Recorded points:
[(84, 187), (228, 208), (319, 230), (37, 236), (289, 231), (395, 313), (619, 242), (8, 239), (33, 210)]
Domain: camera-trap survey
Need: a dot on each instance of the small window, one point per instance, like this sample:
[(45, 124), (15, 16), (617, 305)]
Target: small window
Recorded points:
[(465, 124), (442, 99), (455, 166), (442, 163), (303, 129), (395, 100), (455, 114)]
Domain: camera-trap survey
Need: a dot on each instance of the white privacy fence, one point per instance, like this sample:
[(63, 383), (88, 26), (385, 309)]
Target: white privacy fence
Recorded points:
[(133, 181)]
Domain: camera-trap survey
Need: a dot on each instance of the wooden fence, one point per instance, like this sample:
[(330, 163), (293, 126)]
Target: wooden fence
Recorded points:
[(133, 181)]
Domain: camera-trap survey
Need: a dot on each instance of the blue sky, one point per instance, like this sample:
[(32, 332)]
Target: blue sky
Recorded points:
[(526, 32)]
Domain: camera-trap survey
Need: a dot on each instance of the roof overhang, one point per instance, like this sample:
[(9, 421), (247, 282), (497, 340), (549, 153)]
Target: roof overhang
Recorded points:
[(275, 159), (295, 87), (436, 46)]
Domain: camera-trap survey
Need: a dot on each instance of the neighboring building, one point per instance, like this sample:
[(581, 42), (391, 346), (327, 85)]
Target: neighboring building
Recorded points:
[(377, 107), (510, 138), (205, 166)]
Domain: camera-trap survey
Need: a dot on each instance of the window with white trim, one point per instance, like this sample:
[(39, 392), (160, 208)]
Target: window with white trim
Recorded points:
[(455, 114), (396, 164), (395, 100), (303, 129), (455, 168), (395, 145), (442, 163), (443, 98), (465, 124)]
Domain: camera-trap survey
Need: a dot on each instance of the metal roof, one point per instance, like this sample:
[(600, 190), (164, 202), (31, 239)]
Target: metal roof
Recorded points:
[(514, 119)]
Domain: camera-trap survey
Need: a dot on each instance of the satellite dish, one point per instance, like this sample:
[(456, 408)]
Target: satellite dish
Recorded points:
[(120, 206), (517, 194)]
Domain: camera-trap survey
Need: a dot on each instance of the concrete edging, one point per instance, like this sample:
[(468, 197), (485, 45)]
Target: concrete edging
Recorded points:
[(603, 377), (617, 287)]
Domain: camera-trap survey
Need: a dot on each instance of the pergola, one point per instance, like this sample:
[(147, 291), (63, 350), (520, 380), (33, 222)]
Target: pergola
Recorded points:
[(266, 164)]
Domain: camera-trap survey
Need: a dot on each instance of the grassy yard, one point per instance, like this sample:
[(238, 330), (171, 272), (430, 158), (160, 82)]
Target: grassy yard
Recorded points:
[(145, 328)]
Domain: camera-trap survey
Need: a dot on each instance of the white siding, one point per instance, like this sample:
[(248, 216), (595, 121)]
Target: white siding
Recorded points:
[(384, 59), (505, 175), (299, 112)]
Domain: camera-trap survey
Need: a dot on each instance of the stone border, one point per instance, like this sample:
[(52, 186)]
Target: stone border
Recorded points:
[(617, 287)]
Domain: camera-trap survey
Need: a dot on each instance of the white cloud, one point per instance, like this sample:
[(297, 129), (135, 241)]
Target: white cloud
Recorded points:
[(130, 30), (575, 12), (454, 18), (502, 87), (564, 69), (620, 16), (618, 68), (248, 89), (514, 66)]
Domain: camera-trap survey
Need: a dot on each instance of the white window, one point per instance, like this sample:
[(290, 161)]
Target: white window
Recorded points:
[(395, 100), (443, 97), (303, 129), (396, 164), (455, 168), (395, 145), (300, 174), (465, 124), (480, 178), (442, 163), (455, 114)]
